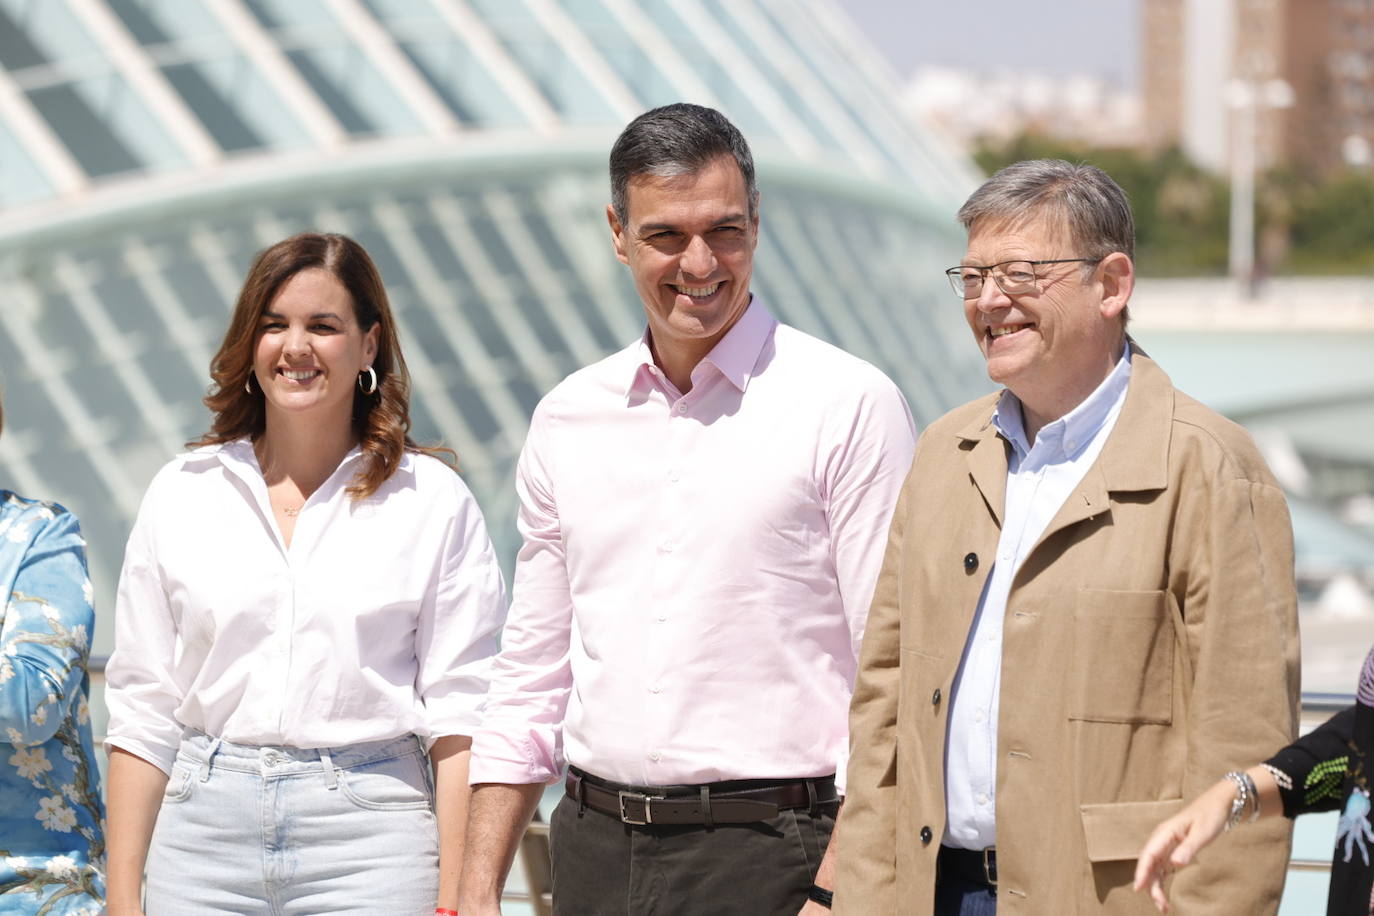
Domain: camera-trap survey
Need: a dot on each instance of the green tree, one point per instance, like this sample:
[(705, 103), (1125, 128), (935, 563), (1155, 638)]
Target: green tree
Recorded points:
[(1180, 210), (1304, 224)]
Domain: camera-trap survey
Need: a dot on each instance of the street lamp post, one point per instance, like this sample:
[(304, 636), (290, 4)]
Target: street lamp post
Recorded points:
[(1245, 98)]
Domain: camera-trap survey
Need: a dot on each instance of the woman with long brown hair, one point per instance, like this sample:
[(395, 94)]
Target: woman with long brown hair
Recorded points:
[(305, 617)]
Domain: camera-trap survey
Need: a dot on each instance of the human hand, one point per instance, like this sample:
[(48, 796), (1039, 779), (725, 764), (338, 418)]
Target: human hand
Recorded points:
[(1175, 842)]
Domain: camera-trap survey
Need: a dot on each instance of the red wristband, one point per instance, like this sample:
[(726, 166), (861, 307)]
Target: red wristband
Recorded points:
[(444, 911)]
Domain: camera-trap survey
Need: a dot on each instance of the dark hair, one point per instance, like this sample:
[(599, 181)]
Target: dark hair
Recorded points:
[(1091, 205), (675, 140), (381, 420)]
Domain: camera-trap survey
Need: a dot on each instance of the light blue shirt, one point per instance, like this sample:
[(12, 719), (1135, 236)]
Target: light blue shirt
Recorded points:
[(1039, 478)]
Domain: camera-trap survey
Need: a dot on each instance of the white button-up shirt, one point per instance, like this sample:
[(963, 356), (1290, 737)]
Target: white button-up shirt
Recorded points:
[(697, 568), (378, 621), (1039, 478)]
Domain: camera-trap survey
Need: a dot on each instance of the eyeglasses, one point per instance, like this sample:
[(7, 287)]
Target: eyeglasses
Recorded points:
[(1015, 278)]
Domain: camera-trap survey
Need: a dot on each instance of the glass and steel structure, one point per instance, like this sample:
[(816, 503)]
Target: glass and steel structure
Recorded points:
[(148, 148)]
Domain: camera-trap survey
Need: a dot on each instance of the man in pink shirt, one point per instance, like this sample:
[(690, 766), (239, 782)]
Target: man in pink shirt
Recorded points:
[(703, 517)]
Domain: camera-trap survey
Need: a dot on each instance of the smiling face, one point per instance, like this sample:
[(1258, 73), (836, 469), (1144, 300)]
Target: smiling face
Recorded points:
[(310, 349), (1054, 346), (689, 243)]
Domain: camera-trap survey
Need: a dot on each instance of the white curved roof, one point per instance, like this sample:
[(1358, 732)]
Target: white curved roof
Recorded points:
[(149, 147)]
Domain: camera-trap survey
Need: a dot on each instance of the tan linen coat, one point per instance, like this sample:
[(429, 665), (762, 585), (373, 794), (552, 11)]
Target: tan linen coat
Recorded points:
[(1150, 644)]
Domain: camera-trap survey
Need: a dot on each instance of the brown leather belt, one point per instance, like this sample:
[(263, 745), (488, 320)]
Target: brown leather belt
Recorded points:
[(737, 802)]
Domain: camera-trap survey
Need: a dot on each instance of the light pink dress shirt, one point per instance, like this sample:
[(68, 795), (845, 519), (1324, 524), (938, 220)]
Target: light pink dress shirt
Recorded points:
[(696, 569)]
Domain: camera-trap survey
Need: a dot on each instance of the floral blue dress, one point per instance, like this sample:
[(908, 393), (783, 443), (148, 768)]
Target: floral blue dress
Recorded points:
[(52, 849)]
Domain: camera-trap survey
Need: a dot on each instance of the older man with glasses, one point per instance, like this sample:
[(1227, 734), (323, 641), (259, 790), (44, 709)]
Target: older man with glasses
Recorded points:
[(1086, 611)]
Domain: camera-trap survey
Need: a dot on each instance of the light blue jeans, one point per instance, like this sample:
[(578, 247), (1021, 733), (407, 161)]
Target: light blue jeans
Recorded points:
[(280, 831)]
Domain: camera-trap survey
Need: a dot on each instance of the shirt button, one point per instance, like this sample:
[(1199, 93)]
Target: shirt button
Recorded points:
[(661, 618), (667, 546), (970, 562), (655, 689), (654, 756), (978, 716), (681, 407), (1070, 445), (982, 798), (674, 476)]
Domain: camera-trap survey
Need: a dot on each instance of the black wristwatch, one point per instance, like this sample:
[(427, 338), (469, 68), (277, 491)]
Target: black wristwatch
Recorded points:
[(822, 896)]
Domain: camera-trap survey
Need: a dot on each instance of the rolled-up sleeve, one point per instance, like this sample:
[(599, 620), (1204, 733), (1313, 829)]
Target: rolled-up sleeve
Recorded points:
[(520, 741), (141, 688), (459, 623), (870, 459)]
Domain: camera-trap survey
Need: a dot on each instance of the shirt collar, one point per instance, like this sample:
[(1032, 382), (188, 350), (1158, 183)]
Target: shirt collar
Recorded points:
[(1072, 432), (238, 455), (734, 356)]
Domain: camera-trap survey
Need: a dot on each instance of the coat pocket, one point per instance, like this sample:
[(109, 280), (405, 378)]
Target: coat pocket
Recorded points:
[(1123, 659), (1115, 832)]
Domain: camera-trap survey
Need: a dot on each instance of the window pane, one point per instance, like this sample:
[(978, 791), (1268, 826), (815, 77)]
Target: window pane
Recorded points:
[(277, 14), (53, 34), (447, 63), (20, 178), (345, 79), (735, 102), (463, 82), (223, 89), (558, 77), (236, 104), (157, 21), (16, 50), (800, 108), (83, 132), (858, 95), (106, 126), (392, 11), (636, 69)]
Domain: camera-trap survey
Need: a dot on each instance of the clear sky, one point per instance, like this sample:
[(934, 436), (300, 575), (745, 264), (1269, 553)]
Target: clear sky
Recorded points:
[(1097, 37)]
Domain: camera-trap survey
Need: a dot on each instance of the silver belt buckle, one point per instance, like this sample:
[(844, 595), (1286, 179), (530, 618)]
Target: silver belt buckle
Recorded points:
[(989, 863), (643, 800)]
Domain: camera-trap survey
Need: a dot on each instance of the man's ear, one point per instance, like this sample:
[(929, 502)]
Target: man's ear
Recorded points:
[(618, 238), (1118, 281)]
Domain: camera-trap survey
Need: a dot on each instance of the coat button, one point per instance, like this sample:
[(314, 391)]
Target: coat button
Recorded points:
[(935, 697), (970, 562), (925, 836)]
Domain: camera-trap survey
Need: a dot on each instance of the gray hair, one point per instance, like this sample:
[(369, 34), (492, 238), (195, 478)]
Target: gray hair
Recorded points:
[(1090, 203), (676, 140)]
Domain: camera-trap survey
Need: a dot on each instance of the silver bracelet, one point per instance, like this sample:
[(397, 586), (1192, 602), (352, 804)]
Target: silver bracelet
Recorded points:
[(1247, 796), (1284, 781)]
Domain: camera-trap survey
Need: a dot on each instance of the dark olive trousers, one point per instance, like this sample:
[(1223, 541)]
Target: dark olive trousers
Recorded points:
[(602, 867)]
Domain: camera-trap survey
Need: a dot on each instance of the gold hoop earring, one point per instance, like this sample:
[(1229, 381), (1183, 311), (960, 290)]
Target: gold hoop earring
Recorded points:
[(372, 379)]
